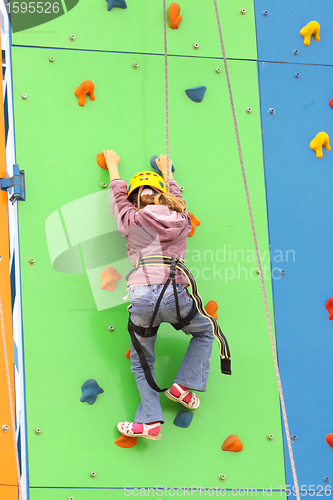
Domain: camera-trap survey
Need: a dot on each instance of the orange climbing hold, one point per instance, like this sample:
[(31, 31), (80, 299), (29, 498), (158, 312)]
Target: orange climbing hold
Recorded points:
[(101, 160), (128, 354), (211, 308), (329, 307), (329, 439), (174, 16), (86, 87), (232, 443), (110, 277), (195, 223), (126, 442)]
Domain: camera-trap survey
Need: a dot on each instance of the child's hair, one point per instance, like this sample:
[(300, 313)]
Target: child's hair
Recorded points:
[(166, 199)]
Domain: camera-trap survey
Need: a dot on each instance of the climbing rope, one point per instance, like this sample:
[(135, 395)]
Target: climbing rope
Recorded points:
[(11, 406), (166, 95), (258, 259)]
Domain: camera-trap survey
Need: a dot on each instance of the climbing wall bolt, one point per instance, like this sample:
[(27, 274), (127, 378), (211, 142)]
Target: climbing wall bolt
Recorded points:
[(295, 52), (249, 110), (135, 65), (327, 479), (38, 431), (182, 188), (222, 477), (271, 111), (293, 438), (243, 11), (5, 428), (0, 258), (195, 46), (71, 498), (93, 473), (282, 273), (104, 185), (265, 13), (258, 272), (24, 96), (31, 261), (51, 59), (111, 328), (217, 70), (270, 437), (297, 75), (72, 38)]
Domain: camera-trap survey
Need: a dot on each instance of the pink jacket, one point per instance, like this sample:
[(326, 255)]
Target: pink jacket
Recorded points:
[(152, 230)]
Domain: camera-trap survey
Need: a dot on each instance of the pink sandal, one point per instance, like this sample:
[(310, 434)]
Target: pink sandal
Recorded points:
[(126, 428), (191, 405)]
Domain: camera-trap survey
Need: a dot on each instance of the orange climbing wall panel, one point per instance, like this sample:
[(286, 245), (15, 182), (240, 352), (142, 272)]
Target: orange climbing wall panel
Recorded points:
[(8, 479)]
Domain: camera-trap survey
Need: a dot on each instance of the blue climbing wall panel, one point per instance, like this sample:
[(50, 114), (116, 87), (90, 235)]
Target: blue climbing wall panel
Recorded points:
[(299, 193)]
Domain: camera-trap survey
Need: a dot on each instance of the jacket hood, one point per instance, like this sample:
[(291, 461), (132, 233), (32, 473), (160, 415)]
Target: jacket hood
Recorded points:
[(167, 222)]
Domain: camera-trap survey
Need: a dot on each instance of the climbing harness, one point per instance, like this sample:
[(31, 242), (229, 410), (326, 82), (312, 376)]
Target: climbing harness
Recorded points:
[(284, 413), (151, 330)]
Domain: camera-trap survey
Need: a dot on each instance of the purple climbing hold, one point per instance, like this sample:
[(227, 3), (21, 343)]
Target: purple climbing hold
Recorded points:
[(116, 3), (196, 94), (183, 419), (90, 391)]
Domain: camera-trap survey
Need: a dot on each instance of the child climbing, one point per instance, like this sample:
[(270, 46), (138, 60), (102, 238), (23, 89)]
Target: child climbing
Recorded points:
[(155, 224)]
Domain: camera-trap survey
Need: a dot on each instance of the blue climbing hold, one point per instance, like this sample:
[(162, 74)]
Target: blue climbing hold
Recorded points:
[(183, 419), (196, 94), (155, 167), (116, 3), (90, 391)]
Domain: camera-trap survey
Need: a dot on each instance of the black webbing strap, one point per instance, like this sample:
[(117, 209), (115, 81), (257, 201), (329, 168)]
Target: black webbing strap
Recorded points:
[(143, 361), (197, 306), (223, 344)]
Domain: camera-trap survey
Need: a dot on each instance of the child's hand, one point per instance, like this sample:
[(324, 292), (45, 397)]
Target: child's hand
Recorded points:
[(161, 162), (111, 158)]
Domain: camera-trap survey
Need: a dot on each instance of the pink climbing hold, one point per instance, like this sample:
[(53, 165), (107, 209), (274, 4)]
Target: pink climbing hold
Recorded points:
[(110, 277), (329, 307), (329, 439)]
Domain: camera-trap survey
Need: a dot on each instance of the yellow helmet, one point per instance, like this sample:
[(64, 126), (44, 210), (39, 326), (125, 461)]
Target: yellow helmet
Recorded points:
[(147, 178)]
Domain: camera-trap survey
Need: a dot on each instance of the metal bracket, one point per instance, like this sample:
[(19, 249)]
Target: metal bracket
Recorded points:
[(17, 183)]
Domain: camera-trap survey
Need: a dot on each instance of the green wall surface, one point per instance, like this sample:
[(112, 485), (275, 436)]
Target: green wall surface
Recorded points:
[(139, 29), (65, 316)]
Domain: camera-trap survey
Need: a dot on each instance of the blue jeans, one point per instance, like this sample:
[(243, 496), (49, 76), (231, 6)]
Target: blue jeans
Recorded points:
[(193, 372)]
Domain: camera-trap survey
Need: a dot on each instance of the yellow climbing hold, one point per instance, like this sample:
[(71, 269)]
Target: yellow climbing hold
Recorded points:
[(318, 142), (312, 28)]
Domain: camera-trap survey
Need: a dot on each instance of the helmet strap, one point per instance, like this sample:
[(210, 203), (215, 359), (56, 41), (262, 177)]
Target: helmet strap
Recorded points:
[(139, 195)]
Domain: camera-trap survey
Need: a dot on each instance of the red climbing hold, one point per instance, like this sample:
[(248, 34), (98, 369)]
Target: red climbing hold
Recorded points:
[(331, 103), (86, 87), (110, 277), (101, 160), (329, 439), (329, 307), (128, 354), (126, 442), (232, 443), (211, 308), (174, 16), (195, 223)]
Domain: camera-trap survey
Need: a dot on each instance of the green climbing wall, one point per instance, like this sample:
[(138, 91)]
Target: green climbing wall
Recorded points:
[(65, 225)]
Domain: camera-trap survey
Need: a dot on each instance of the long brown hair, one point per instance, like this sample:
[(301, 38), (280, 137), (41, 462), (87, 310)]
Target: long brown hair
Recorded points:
[(166, 199)]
